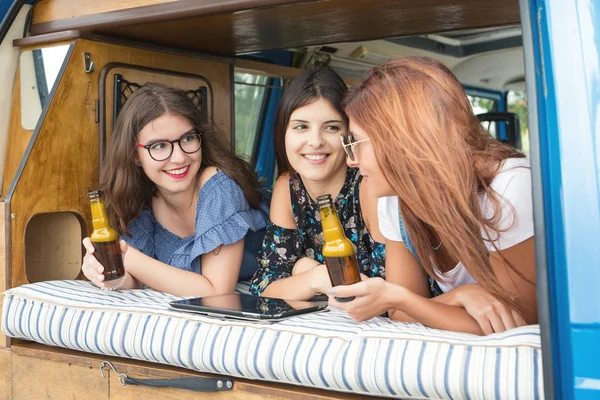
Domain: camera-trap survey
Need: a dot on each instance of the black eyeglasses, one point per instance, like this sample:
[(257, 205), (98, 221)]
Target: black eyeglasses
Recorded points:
[(163, 149), (350, 145)]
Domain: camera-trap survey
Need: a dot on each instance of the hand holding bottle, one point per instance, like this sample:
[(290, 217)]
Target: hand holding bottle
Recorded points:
[(94, 270), (338, 250)]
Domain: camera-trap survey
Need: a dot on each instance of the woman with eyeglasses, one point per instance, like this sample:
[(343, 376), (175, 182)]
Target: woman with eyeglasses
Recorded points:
[(455, 204), (311, 162), (192, 214)]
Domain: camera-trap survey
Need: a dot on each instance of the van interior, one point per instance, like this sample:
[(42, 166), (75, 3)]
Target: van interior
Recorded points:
[(77, 64)]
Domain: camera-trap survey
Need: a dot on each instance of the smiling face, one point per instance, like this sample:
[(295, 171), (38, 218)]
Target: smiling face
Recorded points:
[(177, 173), (312, 141), (364, 159)]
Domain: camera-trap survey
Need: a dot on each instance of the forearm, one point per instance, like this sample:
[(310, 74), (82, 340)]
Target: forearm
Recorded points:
[(298, 286), (131, 282), (435, 313), (446, 298), (295, 287), (166, 278)]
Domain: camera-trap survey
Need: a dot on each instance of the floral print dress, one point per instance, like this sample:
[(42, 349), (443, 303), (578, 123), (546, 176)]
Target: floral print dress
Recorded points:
[(283, 247)]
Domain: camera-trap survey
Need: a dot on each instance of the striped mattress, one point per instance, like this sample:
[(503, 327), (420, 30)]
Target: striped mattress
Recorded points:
[(324, 350)]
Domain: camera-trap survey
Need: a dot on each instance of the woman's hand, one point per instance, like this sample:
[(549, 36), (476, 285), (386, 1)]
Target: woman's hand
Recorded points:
[(91, 267), (371, 298), (319, 281), (490, 313)]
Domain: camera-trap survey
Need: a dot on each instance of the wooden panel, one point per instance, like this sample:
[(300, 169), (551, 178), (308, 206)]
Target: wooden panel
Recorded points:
[(18, 138), (5, 374), (295, 24), (35, 378), (3, 267), (50, 10), (63, 162), (242, 388)]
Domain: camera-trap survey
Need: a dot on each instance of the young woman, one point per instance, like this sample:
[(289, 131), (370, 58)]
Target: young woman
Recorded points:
[(311, 162), (189, 210), (455, 204)]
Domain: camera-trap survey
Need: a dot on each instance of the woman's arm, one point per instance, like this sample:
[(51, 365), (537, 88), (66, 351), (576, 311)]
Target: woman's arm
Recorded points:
[(522, 257), (374, 296), (490, 313), (282, 269), (405, 295), (220, 272), (446, 311)]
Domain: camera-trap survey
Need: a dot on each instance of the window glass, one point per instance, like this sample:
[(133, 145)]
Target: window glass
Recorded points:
[(249, 95), (482, 105), (38, 73), (516, 101)]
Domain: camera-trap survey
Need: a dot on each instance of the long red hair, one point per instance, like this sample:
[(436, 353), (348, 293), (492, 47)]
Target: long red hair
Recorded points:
[(437, 158)]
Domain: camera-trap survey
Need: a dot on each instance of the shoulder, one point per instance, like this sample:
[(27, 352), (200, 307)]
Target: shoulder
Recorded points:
[(514, 189), (219, 194), (142, 231), (513, 185), (281, 189), (281, 208), (206, 174), (214, 183), (388, 216), (513, 177)]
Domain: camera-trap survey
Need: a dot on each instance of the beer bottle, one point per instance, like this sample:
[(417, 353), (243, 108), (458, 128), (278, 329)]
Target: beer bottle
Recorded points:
[(338, 251), (105, 239)]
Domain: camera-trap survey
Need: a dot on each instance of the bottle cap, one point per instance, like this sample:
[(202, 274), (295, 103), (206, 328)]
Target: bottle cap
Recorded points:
[(95, 194), (324, 200)]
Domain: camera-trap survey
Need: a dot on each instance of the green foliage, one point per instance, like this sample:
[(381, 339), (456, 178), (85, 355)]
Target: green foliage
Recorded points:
[(517, 103)]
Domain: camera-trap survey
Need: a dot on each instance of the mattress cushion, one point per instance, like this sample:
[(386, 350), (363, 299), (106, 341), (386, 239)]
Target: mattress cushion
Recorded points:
[(323, 350)]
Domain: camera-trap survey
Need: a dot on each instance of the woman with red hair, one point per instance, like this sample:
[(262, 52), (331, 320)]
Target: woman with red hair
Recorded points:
[(455, 204)]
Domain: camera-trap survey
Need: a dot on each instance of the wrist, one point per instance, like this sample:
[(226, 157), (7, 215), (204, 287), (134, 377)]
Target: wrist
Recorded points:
[(313, 279), (128, 257), (395, 296)]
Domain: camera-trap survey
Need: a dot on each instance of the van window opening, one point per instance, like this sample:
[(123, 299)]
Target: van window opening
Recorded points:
[(250, 94)]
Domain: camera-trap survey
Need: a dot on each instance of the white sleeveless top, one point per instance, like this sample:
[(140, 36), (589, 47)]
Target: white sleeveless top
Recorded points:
[(513, 184)]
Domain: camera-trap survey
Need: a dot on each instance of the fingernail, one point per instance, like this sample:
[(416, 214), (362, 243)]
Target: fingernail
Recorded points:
[(332, 291)]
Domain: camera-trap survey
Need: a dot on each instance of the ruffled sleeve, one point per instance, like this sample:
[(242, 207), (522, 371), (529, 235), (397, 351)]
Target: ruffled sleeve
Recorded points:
[(280, 250), (223, 215), (142, 231)]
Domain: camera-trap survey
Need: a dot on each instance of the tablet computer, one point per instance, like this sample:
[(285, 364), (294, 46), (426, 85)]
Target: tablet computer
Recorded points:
[(247, 307)]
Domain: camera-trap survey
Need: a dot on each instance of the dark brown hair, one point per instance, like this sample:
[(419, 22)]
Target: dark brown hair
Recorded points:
[(127, 188), (309, 86), (437, 158)]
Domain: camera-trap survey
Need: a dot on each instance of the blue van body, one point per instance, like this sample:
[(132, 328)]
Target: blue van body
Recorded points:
[(562, 53), (561, 41)]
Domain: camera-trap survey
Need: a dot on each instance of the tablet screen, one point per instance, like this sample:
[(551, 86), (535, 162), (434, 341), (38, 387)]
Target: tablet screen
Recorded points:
[(246, 304)]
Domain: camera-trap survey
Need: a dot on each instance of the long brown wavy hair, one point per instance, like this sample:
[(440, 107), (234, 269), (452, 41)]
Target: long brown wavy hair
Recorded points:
[(126, 187), (437, 158)]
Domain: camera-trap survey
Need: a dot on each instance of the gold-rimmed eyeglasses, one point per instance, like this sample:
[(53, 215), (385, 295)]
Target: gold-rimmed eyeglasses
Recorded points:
[(350, 145)]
